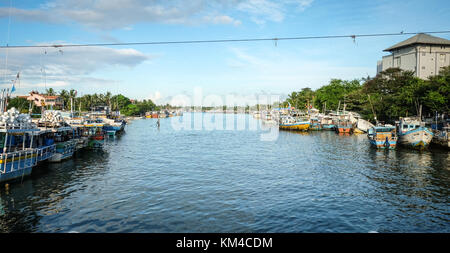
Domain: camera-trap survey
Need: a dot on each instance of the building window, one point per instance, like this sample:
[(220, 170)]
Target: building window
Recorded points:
[(442, 57), (397, 61), (424, 54), (423, 67)]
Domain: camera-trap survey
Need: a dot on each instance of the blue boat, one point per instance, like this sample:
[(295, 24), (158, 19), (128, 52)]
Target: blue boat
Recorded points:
[(18, 156), (383, 137)]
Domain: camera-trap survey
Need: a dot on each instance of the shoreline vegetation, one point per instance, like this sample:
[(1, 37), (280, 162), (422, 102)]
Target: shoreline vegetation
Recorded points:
[(391, 94)]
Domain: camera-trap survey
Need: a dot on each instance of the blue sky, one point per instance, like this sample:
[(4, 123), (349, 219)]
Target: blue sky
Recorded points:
[(162, 71)]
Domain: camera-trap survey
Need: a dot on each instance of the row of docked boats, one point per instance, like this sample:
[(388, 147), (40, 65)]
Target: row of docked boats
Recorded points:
[(408, 131), (51, 138), (162, 114)]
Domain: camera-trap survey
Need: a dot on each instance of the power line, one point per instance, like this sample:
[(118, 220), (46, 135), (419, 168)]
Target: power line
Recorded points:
[(352, 36)]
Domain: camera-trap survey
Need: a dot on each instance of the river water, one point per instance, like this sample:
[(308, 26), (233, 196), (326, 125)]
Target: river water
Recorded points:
[(233, 180)]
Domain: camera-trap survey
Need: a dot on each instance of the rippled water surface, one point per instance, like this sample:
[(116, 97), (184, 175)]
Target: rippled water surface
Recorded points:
[(168, 180)]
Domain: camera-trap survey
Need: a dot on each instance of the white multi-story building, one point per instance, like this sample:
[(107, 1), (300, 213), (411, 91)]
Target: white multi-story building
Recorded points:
[(423, 54)]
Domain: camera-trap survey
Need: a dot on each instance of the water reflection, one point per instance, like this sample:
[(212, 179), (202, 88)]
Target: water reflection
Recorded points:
[(24, 204)]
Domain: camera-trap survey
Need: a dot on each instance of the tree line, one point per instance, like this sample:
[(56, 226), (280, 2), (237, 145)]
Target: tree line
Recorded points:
[(391, 94), (84, 103)]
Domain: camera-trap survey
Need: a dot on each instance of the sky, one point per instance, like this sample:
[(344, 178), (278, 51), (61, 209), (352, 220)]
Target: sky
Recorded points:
[(160, 72)]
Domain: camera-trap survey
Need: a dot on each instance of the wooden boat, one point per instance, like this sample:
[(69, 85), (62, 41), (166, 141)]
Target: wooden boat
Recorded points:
[(65, 144), (315, 124), (327, 123), (344, 126), (442, 137), (95, 135), (383, 137), (294, 123), (413, 133)]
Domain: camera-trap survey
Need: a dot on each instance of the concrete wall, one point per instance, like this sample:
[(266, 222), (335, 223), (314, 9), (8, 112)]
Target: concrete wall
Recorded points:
[(431, 59), (423, 60)]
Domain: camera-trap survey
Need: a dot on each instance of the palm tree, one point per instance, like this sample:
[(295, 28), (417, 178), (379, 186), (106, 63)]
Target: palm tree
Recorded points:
[(72, 95), (50, 92), (65, 96), (108, 99)]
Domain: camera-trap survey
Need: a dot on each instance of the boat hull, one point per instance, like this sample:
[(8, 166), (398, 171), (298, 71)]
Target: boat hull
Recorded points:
[(329, 127), (418, 139), (295, 126), (441, 139), (315, 127), (389, 144), (63, 151), (341, 129), (11, 169)]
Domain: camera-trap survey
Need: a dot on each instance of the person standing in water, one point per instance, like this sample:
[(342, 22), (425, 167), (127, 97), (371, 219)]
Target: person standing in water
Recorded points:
[(158, 123)]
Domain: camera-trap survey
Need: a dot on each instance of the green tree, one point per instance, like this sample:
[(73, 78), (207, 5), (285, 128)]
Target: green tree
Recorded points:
[(20, 103), (50, 92), (336, 91)]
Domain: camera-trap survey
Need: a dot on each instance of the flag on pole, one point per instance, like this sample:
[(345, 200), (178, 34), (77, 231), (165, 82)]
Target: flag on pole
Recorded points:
[(13, 88)]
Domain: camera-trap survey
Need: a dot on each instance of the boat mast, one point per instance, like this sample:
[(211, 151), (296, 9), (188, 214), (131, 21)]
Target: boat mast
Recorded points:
[(373, 111), (339, 105)]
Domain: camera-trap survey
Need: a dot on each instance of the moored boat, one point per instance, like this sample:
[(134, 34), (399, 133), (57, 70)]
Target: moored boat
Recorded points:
[(294, 123), (65, 144), (315, 124), (344, 126), (442, 137), (413, 133), (18, 156), (383, 137), (327, 123)]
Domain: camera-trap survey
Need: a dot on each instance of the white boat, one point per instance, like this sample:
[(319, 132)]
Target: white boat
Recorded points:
[(413, 133)]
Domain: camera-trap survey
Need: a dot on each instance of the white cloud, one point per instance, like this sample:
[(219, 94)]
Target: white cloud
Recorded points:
[(66, 66), (121, 14), (222, 19)]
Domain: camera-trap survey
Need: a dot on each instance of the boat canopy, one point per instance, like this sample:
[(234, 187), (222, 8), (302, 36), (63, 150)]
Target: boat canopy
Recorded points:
[(384, 128)]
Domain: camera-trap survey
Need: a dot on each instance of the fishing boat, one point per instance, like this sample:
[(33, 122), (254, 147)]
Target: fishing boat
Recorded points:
[(442, 137), (65, 144), (294, 123), (96, 137), (115, 125), (43, 141), (413, 133), (327, 123), (383, 137), (344, 126), (18, 156), (315, 124)]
